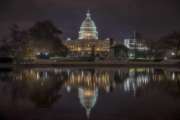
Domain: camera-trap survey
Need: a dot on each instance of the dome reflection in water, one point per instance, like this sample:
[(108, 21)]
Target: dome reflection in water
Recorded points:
[(69, 89)]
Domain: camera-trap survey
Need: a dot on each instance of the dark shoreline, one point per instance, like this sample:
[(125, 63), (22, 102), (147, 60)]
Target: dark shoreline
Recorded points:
[(91, 64)]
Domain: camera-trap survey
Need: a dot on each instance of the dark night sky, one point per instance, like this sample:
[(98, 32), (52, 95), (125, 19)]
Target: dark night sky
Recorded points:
[(114, 18)]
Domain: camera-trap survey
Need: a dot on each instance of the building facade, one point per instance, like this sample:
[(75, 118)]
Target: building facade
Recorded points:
[(137, 49), (88, 42)]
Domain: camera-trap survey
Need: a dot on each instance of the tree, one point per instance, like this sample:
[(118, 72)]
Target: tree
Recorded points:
[(46, 38), (153, 49), (41, 37), (5, 48), (158, 48), (18, 41), (44, 29), (172, 41), (120, 51)]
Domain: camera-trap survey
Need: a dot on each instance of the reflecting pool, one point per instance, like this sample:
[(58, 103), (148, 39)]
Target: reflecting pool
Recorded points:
[(90, 93)]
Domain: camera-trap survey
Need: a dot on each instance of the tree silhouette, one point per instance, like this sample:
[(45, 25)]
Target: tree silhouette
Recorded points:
[(42, 37), (171, 42), (46, 37)]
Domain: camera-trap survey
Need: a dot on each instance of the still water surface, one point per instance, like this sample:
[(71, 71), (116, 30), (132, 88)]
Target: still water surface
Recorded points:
[(90, 93)]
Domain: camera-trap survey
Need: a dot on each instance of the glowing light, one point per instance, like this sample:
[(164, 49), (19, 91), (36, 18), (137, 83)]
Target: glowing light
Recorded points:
[(46, 53), (38, 53), (173, 54), (68, 39), (98, 49), (173, 76), (88, 93), (79, 49), (165, 58)]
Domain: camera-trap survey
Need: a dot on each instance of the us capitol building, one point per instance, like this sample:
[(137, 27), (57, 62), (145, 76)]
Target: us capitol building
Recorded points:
[(88, 42)]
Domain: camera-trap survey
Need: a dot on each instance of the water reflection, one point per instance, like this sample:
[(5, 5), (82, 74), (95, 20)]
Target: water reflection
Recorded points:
[(88, 82), (42, 87)]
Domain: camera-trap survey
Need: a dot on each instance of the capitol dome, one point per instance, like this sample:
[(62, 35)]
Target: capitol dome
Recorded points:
[(88, 28)]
